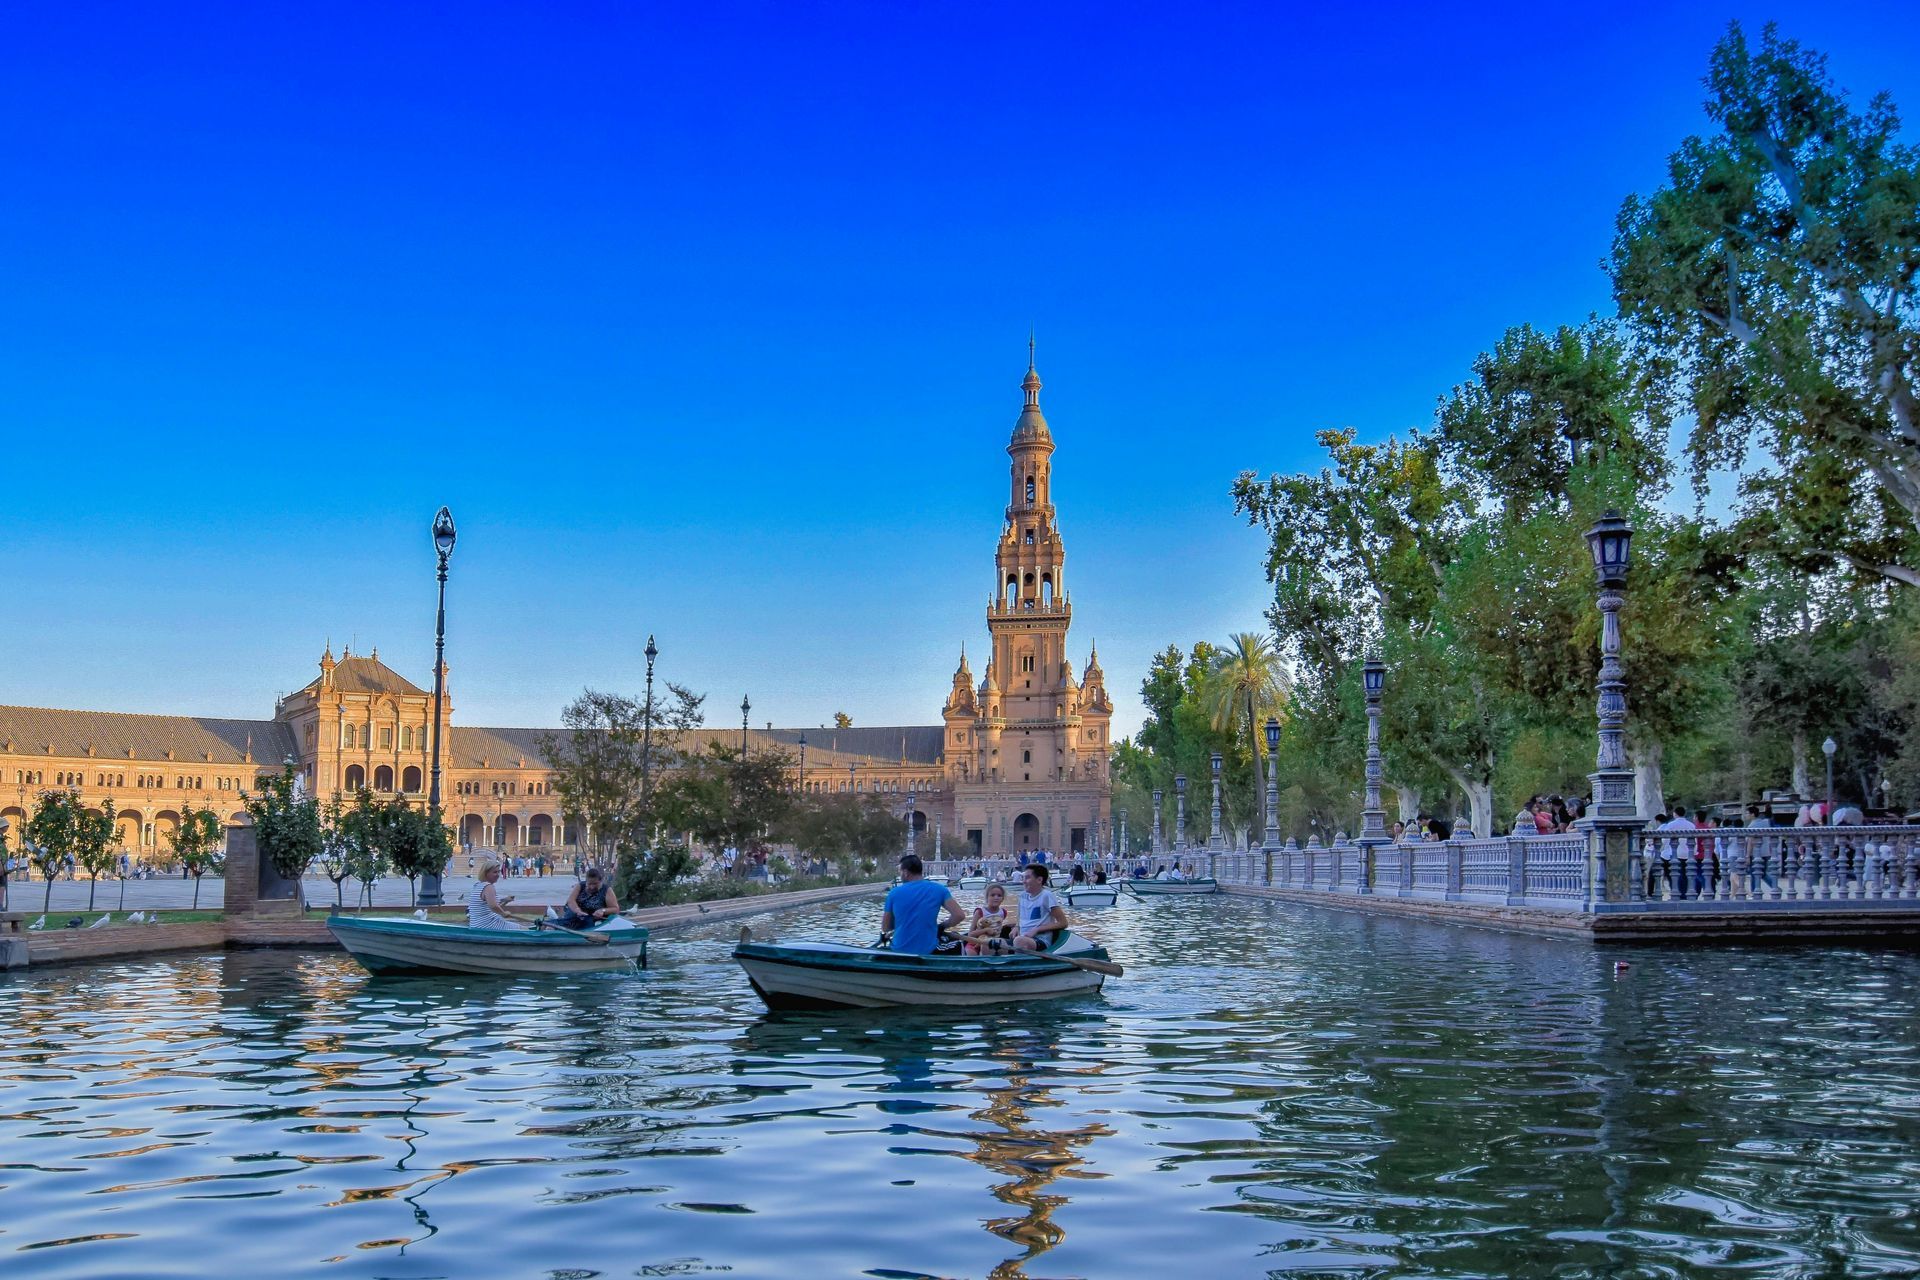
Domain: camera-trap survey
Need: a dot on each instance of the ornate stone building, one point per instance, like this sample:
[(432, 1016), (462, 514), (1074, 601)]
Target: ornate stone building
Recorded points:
[(1019, 763)]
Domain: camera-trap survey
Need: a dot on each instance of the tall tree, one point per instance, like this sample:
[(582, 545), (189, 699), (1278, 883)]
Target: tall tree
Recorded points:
[(286, 822), (1246, 684), (612, 750), (1774, 277), (53, 835)]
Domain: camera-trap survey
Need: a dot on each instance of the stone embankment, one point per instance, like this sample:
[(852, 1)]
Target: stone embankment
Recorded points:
[(291, 928), (1891, 924)]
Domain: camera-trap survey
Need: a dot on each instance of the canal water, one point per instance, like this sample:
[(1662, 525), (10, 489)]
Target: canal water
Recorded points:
[(1271, 1090)]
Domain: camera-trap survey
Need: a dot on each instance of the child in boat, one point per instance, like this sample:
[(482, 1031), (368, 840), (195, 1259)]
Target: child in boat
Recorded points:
[(1042, 918), (991, 924)]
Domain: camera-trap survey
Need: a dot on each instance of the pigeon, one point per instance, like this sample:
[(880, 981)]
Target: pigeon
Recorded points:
[(703, 907), (420, 913), (105, 919), (41, 923), (136, 917)]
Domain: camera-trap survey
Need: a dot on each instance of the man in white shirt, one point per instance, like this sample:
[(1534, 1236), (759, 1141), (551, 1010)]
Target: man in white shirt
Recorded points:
[(1041, 915)]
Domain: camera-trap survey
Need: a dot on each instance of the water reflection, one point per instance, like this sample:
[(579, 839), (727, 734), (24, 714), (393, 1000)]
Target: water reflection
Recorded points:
[(1309, 1091)]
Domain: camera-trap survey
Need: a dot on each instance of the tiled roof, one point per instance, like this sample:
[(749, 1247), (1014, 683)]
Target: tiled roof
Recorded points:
[(367, 675), (112, 734), (880, 745)]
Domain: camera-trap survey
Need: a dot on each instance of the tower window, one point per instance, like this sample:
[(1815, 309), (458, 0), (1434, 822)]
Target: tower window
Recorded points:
[(1026, 757), (1029, 537), (1029, 490)]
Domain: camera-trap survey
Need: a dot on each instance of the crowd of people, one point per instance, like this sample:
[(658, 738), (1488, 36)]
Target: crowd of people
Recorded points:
[(922, 917)]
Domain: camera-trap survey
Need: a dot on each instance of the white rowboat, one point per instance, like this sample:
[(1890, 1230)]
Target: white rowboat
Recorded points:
[(402, 945), (1092, 895), (834, 975), (1169, 888)]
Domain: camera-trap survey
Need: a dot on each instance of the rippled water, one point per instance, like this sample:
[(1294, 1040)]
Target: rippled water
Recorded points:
[(1284, 1090)]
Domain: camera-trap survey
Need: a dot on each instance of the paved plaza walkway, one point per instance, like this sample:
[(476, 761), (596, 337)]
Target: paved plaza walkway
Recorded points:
[(176, 894)]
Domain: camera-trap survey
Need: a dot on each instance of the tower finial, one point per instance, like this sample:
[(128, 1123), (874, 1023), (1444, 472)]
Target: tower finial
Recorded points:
[(1030, 348)]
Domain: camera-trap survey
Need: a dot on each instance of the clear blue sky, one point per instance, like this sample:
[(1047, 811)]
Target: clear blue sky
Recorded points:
[(708, 320)]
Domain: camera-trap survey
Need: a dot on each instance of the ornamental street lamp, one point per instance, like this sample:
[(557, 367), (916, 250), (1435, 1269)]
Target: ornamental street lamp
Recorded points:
[(1179, 812), (1159, 803), (745, 707), (1214, 839), (1373, 821), (1614, 814), (909, 817), (803, 764), (6, 861), (1272, 836), (1827, 749), (443, 547), (646, 743), (1120, 840)]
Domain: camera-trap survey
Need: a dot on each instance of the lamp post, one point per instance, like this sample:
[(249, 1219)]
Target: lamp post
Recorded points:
[(6, 861), (1214, 839), (430, 895), (1159, 803), (1179, 812), (1827, 749), (1373, 821), (910, 840), (646, 743), (745, 708), (803, 764), (1120, 841), (1271, 838), (1614, 814)]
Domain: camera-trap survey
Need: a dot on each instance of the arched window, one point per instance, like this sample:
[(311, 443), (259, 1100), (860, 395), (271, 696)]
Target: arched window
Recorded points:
[(1013, 589), (347, 735), (356, 778), (410, 779), (1046, 589), (383, 778), (1030, 491)]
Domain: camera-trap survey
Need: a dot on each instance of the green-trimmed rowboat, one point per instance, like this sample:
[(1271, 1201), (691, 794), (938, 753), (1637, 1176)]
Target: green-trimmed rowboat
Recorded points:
[(386, 944), (1169, 888), (834, 975)]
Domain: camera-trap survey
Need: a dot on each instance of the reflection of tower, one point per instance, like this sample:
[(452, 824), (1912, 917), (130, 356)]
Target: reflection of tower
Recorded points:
[(1032, 1158)]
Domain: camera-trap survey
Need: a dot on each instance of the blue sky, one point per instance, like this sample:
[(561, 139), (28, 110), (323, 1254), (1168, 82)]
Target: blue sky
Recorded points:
[(708, 320)]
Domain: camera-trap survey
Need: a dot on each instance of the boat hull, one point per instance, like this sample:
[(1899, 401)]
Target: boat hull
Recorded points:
[(830, 976), (1170, 888), (1092, 895), (384, 945)]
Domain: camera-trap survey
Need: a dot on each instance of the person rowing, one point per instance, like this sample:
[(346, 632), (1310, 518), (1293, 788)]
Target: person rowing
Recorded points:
[(591, 902), (911, 916)]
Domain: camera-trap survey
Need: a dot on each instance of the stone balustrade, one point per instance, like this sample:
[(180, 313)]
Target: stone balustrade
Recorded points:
[(1775, 868)]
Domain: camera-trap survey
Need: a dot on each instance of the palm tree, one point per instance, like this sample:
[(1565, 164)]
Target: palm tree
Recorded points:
[(1246, 680)]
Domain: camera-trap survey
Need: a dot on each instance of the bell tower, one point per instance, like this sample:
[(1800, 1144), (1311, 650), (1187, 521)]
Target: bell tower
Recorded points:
[(1027, 753)]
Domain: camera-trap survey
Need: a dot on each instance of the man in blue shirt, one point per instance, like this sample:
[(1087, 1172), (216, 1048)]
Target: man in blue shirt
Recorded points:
[(913, 907)]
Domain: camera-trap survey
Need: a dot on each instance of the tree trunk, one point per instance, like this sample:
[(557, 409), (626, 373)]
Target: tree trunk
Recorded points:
[(48, 904), (1649, 782), (1802, 784), (1409, 799), (1479, 802), (93, 882), (196, 893)]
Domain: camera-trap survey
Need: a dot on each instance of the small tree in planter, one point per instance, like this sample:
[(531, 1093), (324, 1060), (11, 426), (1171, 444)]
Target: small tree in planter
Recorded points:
[(367, 854), (50, 836), (93, 849), (286, 824), (196, 845), (416, 845)]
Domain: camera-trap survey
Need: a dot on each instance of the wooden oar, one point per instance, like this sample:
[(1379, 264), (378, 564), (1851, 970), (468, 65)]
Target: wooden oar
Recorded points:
[(1107, 967), (601, 938)]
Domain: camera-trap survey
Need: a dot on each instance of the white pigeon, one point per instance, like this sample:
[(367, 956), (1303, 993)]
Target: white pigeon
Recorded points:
[(105, 919), (136, 917), (420, 914), (41, 923), (551, 914)]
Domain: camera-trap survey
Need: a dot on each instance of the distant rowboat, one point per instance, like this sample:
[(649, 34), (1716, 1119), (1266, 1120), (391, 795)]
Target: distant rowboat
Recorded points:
[(1168, 888), (1092, 895), (399, 945), (833, 975)]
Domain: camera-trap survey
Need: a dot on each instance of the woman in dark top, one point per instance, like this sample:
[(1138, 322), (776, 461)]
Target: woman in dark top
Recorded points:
[(591, 901)]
